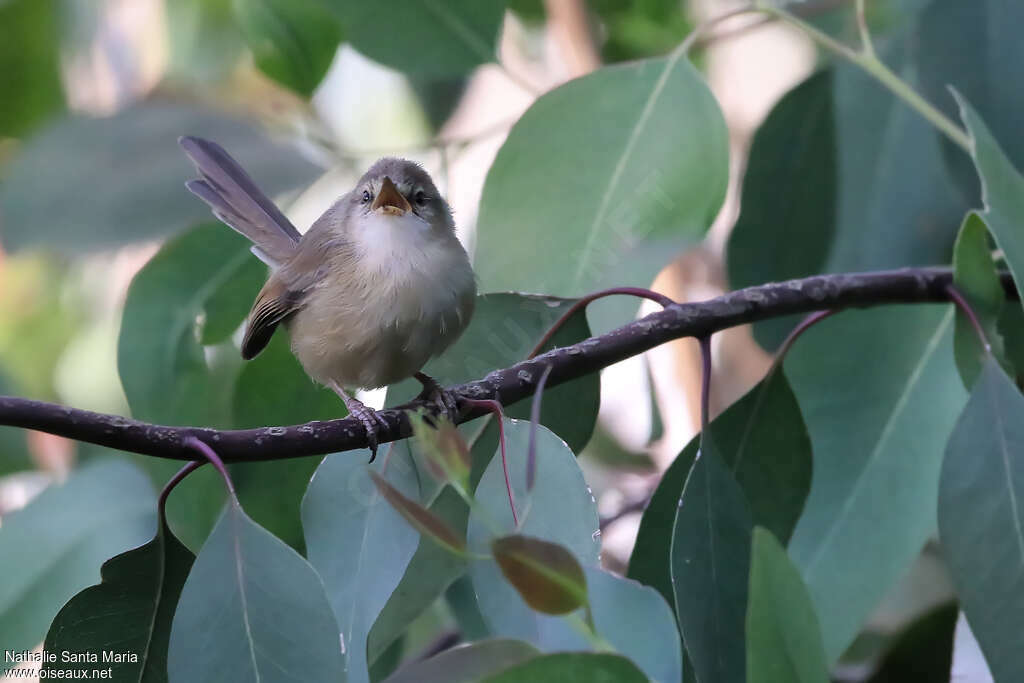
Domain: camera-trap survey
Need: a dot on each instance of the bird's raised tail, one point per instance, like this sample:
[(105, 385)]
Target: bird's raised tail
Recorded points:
[(236, 200)]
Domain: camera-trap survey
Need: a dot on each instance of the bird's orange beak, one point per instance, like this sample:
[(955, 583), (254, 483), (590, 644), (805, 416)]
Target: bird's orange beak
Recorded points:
[(390, 201)]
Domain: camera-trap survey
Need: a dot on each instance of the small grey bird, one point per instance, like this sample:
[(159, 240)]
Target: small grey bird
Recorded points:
[(376, 287)]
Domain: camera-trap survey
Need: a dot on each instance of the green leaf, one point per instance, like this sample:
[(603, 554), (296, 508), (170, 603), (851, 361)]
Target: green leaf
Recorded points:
[(897, 204), (163, 368), (559, 509), (129, 612), (252, 609), (783, 637), (782, 235), (467, 663), (546, 575), (981, 517), (420, 518), (53, 196), (423, 37), (879, 397), (1002, 189), (638, 623), (594, 169), (923, 652), (273, 389), (975, 275), (292, 42), (572, 668), (710, 562), (763, 440), (53, 547), (989, 55), (430, 571), (29, 65), (358, 543), (504, 329)]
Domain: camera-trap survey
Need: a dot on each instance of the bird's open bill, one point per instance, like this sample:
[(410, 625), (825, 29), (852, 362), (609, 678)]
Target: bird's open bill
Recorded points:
[(389, 200)]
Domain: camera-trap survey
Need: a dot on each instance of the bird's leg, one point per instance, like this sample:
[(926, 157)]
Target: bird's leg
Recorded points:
[(368, 416), (432, 391)]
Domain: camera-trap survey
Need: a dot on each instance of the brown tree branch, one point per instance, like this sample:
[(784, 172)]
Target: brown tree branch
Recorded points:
[(507, 386)]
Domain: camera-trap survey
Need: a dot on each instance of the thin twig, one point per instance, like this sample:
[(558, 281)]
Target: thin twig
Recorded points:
[(505, 386)]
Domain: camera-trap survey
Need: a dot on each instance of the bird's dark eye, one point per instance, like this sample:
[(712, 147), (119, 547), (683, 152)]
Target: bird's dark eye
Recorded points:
[(366, 197), (420, 197)]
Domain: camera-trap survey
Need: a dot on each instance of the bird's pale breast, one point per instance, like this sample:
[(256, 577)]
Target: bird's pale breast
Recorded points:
[(378, 318)]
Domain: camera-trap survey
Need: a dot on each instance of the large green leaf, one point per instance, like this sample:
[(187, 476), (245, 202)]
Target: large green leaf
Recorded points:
[(1002, 189), (710, 562), (130, 612), (560, 509), (252, 609), (358, 543), (423, 37), (893, 205), (782, 235), (764, 442), (29, 64), (975, 276), (989, 55), (593, 169), (981, 518), (879, 396), (466, 664), (431, 570), (54, 547), (897, 205), (87, 183), (565, 667), (292, 42), (164, 370), (273, 389), (504, 329), (783, 637)]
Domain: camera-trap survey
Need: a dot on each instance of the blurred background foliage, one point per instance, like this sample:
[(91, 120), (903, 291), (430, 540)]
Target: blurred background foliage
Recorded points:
[(118, 294)]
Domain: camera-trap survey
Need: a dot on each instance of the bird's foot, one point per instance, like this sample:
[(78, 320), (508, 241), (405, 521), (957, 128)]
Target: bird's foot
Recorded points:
[(371, 419), (447, 401)]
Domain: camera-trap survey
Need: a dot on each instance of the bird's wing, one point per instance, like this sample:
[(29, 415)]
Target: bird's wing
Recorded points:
[(236, 200), (273, 304)]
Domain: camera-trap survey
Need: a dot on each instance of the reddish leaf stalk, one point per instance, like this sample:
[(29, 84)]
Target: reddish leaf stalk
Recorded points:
[(705, 381), (161, 503), (208, 453), (585, 301), (493, 407), (803, 326), (531, 452), (961, 302)]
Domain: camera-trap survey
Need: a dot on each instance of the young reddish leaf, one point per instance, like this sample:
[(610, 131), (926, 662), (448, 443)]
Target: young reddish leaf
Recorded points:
[(420, 518), (446, 453), (545, 574)]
